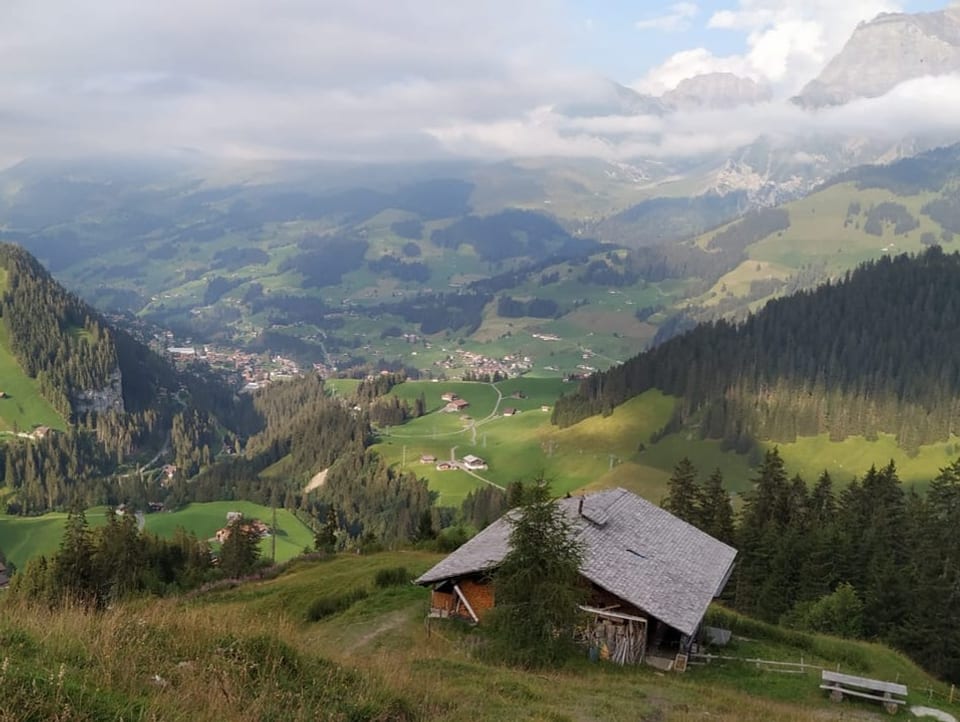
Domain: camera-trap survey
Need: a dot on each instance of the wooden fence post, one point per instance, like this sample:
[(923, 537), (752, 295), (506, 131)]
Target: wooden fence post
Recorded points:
[(952, 689)]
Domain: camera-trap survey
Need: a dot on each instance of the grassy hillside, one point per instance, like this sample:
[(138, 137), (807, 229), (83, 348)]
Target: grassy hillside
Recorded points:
[(525, 445), (24, 537), (600, 452), (250, 654), (827, 232)]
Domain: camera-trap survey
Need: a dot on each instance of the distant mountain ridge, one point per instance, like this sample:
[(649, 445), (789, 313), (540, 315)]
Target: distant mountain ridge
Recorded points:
[(888, 50), (715, 90)]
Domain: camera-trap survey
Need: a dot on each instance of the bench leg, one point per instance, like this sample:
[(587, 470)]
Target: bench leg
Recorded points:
[(836, 695)]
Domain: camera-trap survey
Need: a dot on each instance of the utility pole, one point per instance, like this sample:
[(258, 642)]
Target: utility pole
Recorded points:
[(273, 530)]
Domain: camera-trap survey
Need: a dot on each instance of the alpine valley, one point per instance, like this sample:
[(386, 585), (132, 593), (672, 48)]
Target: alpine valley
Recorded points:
[(379, 357)]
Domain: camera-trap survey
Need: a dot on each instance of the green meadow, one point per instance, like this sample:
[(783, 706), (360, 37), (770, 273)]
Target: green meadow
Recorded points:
[(204, 519), (600, 452), (24, 537)]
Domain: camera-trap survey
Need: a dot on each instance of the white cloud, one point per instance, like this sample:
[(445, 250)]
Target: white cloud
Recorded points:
[(369, 80), (688, 63), (787, 42), (269, 77), (678, 17), (926, 107)]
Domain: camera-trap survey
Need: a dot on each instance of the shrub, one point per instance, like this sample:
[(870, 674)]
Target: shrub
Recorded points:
[(839, 613), (328, 606), (392, 577)]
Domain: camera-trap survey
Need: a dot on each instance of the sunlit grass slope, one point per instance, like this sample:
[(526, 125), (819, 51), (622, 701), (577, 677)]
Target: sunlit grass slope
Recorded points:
[(250, 653)]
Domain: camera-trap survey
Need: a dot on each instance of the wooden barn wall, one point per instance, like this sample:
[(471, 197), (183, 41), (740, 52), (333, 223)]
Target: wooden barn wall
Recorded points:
[(479, 594)]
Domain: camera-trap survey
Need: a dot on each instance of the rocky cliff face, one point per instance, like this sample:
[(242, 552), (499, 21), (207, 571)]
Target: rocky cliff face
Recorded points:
[(715, 90), (885, 52), (109, 398)]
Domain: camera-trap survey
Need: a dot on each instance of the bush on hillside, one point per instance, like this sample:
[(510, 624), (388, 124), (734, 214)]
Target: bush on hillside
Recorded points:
[(328, 606), (839, 613), (393, 577)]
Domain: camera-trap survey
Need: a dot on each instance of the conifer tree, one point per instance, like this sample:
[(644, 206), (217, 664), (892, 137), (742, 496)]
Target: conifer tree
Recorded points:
[(683, 494), (325, 540), (73, 574), (537, 585), (240, 550), (931, 633), (118, 557), (716, 512), (760, 532)]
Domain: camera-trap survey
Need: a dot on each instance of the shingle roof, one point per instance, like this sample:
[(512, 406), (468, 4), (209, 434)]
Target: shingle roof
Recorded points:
[(632, 548)]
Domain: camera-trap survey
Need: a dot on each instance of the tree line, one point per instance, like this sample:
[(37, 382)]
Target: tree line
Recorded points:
[(95, 567), (871, 560), (868, 354)]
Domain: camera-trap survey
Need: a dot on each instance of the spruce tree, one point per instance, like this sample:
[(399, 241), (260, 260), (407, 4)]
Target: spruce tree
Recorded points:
[(683, 494), (931, 634), (759, 535), (537, 586), (325, 540), (240, 550), (716, 512), (73, 574), (118, 557)]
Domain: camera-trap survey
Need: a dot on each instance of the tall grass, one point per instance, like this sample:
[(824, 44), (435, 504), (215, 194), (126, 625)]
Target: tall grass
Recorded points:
[(249, 654), (166, 661)]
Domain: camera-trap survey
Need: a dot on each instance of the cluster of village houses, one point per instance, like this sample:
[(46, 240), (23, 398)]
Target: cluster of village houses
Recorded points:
[(480, 365), (253, 370), (468, 462)]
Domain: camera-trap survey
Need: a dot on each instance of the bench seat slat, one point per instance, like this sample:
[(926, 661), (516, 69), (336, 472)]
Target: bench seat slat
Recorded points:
[(865, 695), (849, 680)]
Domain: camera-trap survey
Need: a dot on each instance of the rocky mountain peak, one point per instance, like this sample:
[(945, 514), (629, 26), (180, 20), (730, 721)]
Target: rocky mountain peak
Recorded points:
[(715, 90), (886, 51)]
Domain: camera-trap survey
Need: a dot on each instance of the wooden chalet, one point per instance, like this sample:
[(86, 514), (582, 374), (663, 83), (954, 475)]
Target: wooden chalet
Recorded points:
[(456, 405), (651, 575), (4, 579)]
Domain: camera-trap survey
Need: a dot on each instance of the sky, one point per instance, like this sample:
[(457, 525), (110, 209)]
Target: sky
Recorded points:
[(401, 79), (627, 40)]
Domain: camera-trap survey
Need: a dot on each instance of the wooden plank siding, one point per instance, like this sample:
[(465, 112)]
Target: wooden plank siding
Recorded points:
[(443, 602), (479, 594)]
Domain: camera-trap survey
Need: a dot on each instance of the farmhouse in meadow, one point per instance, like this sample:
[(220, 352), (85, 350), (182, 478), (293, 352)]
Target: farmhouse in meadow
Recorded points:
[(651, 575), (456, 405)]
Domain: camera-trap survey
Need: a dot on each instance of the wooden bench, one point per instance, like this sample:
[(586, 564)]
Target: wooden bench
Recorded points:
[(891, 694)]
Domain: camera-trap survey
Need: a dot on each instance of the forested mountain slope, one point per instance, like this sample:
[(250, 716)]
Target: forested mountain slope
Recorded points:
[(81, 363), (873, 352), (119, 404)]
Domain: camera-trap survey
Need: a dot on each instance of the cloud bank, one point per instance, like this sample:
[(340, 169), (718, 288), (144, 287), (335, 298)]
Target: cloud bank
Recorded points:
[(406, 79)]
